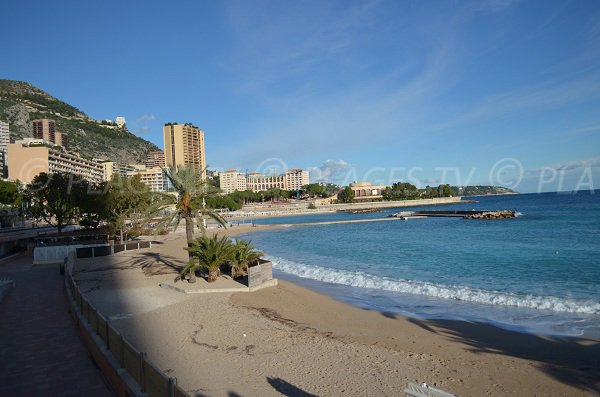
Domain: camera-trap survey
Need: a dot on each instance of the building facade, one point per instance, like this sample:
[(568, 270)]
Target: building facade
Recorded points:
[(25, 162), (184, 146), (4, 141), (46, 129), (293, 179), (366, 191), (153, 177), (232, 180), (155, 159)]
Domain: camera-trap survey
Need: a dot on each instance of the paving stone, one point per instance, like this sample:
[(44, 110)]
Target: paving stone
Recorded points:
[(41, 352)]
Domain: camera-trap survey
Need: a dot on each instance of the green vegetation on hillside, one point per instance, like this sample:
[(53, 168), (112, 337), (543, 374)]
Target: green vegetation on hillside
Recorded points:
[(21, 102)]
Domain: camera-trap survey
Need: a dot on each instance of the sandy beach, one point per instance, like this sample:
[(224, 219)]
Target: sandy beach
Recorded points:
[(287, 340)]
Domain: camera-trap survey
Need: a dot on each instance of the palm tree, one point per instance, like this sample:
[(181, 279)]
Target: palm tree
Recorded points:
[(189, 201), (244, 255), (208, 253)]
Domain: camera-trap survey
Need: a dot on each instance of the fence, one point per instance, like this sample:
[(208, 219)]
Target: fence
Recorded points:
[(104, 250), (148, 378)]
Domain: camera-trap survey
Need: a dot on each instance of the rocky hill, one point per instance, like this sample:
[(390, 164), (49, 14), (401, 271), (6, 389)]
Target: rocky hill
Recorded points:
[(21, 102)]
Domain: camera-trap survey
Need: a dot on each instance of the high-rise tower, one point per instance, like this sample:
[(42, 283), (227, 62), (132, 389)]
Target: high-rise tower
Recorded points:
[(184, 145)]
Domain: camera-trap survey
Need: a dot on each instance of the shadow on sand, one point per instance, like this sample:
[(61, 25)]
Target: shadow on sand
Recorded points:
[(572, 361), (287, 389)]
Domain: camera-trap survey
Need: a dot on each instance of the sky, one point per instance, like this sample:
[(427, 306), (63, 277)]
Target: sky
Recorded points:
[(495, 92)]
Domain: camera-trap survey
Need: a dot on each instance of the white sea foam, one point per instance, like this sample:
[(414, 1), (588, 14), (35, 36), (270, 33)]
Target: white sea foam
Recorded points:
[(455, 292)]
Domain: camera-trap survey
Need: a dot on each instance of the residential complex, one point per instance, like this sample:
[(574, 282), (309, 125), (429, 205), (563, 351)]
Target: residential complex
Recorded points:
[(292, 180), (154, 178), (25, 161), (46, 129), (110, 168), (155, 159), (4, 141), (184, 145)]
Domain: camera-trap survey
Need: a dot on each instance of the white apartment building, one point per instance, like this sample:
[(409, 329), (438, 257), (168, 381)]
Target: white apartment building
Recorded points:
[(110, 168), (4, 141), (154, 178), (4, 135)]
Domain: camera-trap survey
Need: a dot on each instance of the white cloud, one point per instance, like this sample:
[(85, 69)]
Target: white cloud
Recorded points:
[(141, 125), (330, 171), (569, 166)]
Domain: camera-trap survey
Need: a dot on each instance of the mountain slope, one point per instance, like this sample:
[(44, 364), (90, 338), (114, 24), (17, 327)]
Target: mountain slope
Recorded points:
[(21, 102)]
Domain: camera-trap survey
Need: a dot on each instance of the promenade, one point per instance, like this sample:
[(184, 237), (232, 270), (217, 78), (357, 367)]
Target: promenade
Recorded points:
[(41, 352)]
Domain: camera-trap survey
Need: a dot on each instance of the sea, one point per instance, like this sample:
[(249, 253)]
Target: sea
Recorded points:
[(536, 273)]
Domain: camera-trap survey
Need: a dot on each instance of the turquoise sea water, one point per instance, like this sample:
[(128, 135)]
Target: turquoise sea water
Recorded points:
[(539, 272)]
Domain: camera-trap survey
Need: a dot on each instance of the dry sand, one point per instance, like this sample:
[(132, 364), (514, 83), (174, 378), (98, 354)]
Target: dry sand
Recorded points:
[(287, 340)]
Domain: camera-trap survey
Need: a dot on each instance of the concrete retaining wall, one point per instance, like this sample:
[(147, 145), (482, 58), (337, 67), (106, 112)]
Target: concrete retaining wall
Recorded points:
[(126, 368), (260, 274)]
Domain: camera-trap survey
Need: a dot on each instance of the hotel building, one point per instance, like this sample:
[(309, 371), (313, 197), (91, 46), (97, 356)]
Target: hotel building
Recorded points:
[(232, 180), (184, 145), (291, 180), (25, 161)]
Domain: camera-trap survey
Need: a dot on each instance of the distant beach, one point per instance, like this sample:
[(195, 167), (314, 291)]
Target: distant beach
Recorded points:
[(290, 340)]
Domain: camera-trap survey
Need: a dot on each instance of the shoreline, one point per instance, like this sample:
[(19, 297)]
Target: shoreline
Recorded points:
[(268, 341), (278, 210)]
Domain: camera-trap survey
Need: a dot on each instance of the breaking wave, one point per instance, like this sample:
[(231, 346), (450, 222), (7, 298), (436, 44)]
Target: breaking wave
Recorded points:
[(453, 292)]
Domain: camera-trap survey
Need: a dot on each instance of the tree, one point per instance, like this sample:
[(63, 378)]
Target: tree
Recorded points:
[(92, 200), (401, 191), (54, 198), (347, 195), (10, 194), (244, 255), (208, 253), (126, 197), (445, 190), (189, 202), (315, 190)]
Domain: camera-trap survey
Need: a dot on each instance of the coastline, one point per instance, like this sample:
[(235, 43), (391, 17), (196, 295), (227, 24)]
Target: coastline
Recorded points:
[(288, 338), (274, 210)]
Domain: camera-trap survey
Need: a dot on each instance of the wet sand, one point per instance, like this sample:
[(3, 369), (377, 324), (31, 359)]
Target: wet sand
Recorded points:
[(288, 340)]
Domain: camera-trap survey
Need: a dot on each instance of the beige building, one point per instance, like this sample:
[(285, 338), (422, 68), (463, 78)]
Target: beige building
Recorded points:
[(155, 159), (25, 162), (153, 177), (295, 178), (46, 129), (232, 180), (365, 190), (184, 145), (110, 168), (292, 180)]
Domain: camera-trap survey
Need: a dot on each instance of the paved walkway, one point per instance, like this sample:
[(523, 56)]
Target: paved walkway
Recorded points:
[(41, 352)]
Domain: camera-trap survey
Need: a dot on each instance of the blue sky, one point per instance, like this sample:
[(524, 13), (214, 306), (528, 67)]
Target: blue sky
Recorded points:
[(484, 92)]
